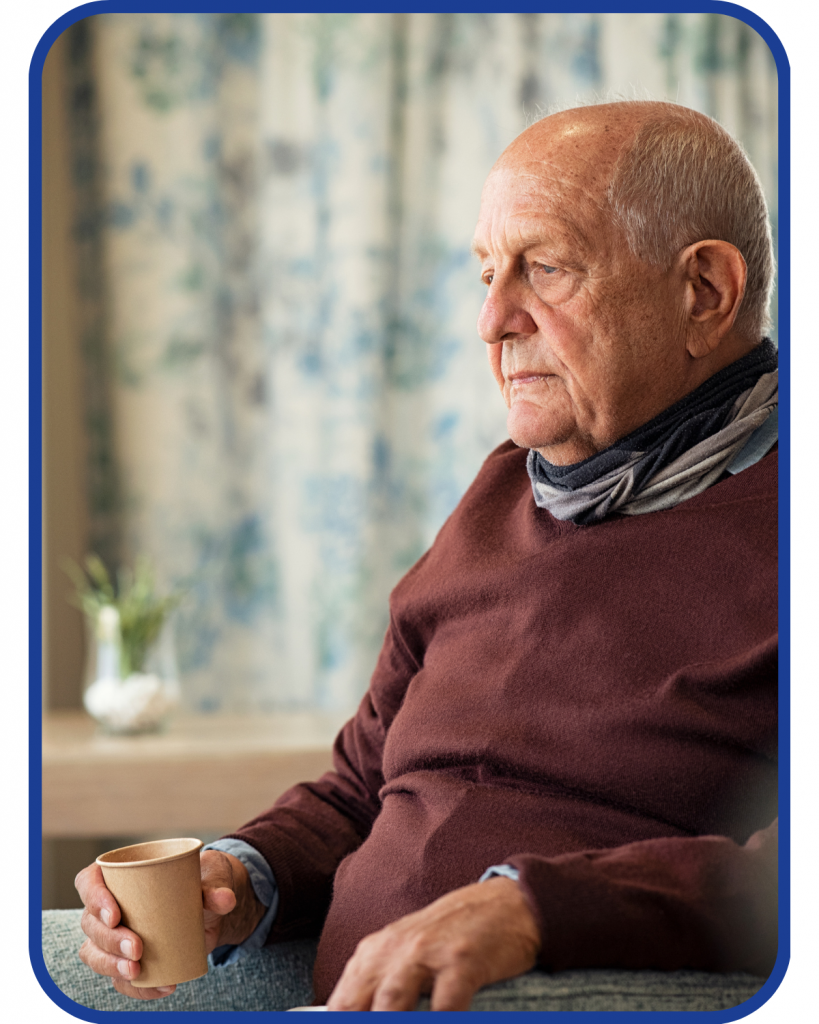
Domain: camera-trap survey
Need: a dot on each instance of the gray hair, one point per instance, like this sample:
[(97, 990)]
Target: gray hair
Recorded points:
[(684, 179)]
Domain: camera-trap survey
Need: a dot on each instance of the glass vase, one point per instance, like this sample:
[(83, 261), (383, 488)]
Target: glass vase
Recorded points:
[(122, 701)]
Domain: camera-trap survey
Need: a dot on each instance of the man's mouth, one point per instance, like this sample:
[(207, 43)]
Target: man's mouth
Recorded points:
[(526, 377)]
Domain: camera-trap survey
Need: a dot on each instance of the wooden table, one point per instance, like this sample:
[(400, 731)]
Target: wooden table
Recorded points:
[(208, 773)]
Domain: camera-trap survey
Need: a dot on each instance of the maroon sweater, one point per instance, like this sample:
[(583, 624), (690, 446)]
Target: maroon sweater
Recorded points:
[(595, 705)]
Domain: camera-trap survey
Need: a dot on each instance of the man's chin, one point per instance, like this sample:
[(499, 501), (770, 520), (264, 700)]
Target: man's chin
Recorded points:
[(539, 432), (560, 450)]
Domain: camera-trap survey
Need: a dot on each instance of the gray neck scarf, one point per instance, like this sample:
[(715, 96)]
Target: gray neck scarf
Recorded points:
[(725, 425)]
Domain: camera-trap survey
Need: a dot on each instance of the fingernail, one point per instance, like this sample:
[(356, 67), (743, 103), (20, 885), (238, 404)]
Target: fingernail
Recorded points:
[(124, 968), (165, 989), (127, 949), (106, 918)]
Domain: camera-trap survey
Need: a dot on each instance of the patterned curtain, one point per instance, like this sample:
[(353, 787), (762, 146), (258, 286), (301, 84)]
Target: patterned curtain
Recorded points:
[(286, 391)]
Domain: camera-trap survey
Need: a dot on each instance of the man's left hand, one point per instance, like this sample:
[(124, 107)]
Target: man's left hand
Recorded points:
[(469, 938)]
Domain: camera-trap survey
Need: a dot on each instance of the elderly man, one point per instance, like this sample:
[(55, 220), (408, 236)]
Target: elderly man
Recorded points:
[(567, 754)]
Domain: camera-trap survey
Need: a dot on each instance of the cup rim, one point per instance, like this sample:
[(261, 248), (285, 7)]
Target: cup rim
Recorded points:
[(104, 861)]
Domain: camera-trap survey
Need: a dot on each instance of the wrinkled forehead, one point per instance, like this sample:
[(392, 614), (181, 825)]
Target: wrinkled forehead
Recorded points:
[(526, 202), (557, 171)]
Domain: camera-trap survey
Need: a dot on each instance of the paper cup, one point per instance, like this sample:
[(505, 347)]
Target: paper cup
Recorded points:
[(158, 888)]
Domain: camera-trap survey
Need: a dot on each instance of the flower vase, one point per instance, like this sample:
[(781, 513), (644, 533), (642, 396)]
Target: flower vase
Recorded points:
[(128, 699)]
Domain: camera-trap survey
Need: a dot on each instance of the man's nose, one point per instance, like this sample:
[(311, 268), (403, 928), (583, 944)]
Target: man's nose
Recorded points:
[(503, 318)]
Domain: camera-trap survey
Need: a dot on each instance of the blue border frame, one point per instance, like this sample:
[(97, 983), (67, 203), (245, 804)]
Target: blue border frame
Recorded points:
[(36, 490)]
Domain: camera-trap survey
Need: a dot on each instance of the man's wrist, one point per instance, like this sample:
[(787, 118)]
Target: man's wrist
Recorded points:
[(263, 883)]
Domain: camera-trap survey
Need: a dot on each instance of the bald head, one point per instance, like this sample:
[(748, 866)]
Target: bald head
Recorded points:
[(578, 149), (668, 176), (595, 134)]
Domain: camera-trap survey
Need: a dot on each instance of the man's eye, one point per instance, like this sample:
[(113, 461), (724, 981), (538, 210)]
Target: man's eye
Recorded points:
[(545, 268), (488, 278)]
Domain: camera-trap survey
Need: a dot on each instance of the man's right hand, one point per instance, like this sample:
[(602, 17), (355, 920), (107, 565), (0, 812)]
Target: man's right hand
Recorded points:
[(232, 913)]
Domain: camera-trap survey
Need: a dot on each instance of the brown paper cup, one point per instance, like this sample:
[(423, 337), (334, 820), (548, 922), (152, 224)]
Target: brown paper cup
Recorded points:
[(159, 890)]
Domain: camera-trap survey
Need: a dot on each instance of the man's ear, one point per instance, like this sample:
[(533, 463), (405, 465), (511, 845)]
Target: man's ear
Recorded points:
[(714, 274)]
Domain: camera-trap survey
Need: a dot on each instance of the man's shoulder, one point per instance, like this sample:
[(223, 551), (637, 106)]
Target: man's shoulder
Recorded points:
[(759, 482)]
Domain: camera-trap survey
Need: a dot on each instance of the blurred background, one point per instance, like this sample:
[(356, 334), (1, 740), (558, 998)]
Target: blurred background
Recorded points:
[(261, 368)]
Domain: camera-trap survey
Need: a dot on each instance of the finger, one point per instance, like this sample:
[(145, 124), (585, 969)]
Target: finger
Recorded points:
[(354, 989), (108, 964), (219, 901), (401, 989), (452, 990), (142, 993), (95, 895), (118, 941)]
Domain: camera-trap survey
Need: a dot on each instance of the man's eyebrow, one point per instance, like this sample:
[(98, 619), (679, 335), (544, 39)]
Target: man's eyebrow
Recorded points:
[(525, 242)]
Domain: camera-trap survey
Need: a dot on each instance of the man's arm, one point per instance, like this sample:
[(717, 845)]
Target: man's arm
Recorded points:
[(314, 826), (701, 903), (704, 903)]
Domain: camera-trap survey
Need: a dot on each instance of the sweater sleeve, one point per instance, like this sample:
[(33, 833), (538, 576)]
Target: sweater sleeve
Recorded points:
[(312, 827), (702, 903)]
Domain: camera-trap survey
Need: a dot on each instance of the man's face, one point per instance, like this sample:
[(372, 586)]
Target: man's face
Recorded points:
[(585, 340)]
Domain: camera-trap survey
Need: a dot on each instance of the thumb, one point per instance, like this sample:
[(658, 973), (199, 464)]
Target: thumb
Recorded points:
[(217, 882), (219, 901)]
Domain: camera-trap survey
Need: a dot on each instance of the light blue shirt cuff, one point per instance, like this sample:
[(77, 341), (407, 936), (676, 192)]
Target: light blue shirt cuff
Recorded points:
[(267, 892), (505, 870)]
